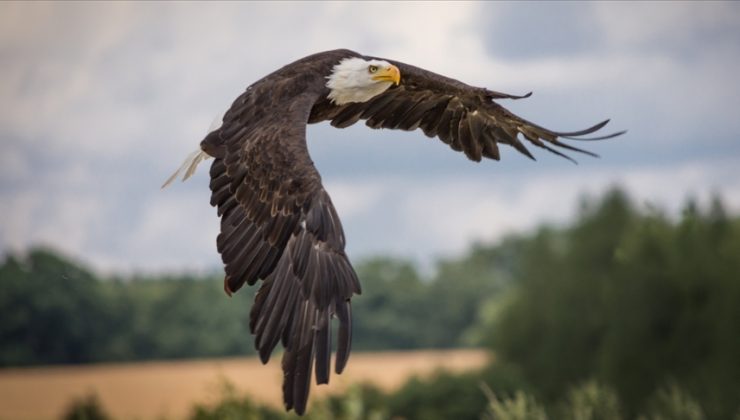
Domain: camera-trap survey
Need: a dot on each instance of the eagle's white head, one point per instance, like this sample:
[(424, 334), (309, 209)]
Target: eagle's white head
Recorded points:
[(358, 80)]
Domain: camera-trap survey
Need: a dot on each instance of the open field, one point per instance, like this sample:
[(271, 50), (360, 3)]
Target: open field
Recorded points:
[(169, 389)]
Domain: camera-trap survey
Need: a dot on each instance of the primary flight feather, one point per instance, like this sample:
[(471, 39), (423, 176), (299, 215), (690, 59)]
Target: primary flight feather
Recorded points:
[(279, 225)]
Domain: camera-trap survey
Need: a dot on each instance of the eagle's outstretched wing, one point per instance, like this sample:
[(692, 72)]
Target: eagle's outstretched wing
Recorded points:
[(463, 116), (279, 224)]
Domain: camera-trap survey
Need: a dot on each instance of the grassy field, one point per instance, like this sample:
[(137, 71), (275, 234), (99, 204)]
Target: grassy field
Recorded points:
[(169, 389)]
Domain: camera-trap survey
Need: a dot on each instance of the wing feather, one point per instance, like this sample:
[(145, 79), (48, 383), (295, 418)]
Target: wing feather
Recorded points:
[(470, 145), (279, 225), (490, 147), (443, 125)]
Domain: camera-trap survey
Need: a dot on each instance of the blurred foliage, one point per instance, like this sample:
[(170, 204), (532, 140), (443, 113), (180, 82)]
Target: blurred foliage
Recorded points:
[(631, 299), (591, 401), (586, 321), (400, 310), (53, 310), (459, 397), (86, 408), (520, 407), (231, 406), (444, 396), (358, 402), (672, 403)]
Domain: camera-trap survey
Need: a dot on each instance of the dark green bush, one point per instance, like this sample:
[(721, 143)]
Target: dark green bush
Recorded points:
[(85, 408), (444, 396)]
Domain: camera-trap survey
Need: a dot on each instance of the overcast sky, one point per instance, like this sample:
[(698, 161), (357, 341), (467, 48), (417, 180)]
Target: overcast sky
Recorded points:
[(102, 101)]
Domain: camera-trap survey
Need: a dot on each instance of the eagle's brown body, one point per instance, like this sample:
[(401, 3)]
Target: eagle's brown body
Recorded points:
[(278, 223)]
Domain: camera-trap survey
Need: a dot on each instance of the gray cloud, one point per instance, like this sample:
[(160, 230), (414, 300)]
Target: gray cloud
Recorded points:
[(564, 29), (540, 29)]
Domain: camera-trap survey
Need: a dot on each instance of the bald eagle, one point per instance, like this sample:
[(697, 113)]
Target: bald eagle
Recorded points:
[(278, 223)]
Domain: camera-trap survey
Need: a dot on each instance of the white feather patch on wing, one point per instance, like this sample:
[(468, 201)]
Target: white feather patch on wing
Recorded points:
[(189, 166)]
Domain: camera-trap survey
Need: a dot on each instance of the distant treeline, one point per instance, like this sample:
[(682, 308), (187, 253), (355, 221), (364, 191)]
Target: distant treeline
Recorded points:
[(54, 311), (625, 297)]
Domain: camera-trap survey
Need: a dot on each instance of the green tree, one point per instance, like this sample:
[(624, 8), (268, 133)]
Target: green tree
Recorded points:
[(52, 311), (631, 299)]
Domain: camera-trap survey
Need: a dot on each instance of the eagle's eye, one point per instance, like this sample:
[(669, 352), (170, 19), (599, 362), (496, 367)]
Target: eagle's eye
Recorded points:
[(372, 69)]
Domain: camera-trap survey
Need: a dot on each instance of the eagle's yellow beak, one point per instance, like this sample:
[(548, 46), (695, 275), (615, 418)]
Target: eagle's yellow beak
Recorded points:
[(389, 74)]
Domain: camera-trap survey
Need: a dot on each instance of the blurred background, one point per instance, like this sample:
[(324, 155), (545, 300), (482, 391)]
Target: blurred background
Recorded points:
[(606, 289)]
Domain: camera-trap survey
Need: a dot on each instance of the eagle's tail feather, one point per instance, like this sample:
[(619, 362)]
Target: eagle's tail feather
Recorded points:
[(188, 166)]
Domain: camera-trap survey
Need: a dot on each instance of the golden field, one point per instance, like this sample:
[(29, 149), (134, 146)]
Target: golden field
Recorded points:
[(169, 389)]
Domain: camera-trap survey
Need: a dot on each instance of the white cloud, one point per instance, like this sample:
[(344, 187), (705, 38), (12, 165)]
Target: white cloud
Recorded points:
[(69, 226), (18, 219), (13, 165), (176, 231), (354, 199)]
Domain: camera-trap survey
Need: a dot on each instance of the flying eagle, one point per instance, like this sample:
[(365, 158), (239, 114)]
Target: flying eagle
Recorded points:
[(278, 223)]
